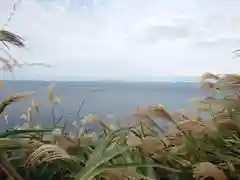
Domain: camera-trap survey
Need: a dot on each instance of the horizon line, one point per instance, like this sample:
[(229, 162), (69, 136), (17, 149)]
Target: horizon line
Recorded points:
[(103, 80)]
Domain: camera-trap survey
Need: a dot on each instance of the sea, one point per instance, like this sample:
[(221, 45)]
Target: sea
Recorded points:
[(108, 100)]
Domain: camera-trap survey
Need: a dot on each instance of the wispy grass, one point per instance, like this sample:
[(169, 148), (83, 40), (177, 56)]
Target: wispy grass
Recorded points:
[(192, 148)]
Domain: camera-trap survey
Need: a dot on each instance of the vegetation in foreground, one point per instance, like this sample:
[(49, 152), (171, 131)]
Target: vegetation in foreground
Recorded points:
[(193, 147)]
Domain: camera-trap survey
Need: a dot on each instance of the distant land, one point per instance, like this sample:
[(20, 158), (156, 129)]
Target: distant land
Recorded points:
[(110, 80)]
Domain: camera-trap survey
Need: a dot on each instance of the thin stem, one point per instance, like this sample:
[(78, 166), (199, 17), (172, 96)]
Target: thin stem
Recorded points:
[(80, 107), (9, 168), (59, 120), (12, 13), (53, 117)]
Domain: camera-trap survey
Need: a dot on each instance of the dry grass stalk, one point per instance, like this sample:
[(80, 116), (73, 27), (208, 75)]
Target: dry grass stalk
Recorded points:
[(19, 96), (151, 145), (195, 127), (179, 150), (5, 64), (133, 140), (35, 143), (66, 142), (12, 13), (174, 139), (138, 118), (223, 118), (9, 169), (9, 175), (179, 116), (208, 170), (190, 114), (229, 79), (46, 152), (119, 174), (190, 125), (6, 36), (205, 100), (93, 119), (207, 76), (5, 142), (208, 85), (220, 120), (154, 111), (227, 166)]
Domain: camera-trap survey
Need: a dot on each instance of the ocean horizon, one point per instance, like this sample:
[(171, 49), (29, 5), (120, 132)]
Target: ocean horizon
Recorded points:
[(103, 98)]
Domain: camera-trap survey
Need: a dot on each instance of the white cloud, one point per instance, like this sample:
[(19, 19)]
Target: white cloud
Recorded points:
[(126, 39)]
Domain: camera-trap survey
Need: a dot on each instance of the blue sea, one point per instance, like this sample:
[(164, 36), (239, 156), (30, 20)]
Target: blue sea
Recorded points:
[(101, 98)]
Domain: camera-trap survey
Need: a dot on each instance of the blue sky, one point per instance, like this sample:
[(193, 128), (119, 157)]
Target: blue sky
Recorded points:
[(125, 39)]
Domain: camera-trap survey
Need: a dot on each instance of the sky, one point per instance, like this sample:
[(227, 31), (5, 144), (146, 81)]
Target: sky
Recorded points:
[(125, 39)]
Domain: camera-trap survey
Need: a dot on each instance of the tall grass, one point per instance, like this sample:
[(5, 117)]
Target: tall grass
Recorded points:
[(193, 147)]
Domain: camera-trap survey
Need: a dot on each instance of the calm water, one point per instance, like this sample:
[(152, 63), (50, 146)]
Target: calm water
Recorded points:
[(100, 98)]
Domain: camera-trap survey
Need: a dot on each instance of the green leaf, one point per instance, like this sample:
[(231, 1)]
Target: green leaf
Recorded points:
[(10, 143), (58, 100), (51, 93), (100, 156), (22, 131), (35, 104), (142, 165), (14, 98)]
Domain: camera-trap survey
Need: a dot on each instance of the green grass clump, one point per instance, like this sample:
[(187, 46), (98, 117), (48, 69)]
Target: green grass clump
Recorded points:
[(193, 147)]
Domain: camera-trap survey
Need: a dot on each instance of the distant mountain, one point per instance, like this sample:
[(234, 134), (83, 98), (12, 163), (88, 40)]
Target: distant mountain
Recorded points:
[(181, 79), (160, 79), (19, 76)]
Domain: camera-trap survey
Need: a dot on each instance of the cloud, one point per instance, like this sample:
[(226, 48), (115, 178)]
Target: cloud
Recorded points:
[(219, 42), (99, 39), (158, 33)]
